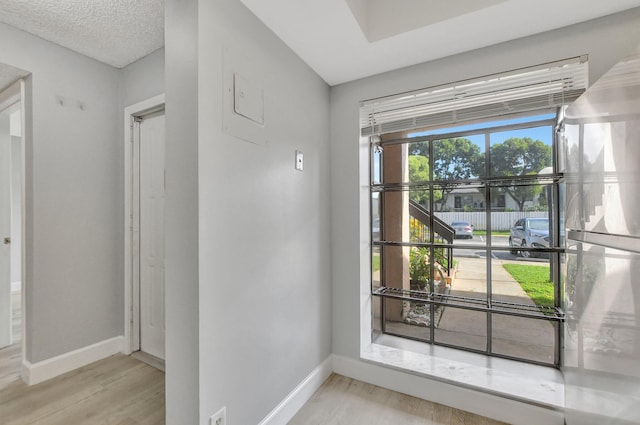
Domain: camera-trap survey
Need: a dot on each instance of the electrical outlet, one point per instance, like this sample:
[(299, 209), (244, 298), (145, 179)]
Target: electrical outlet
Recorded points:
[(219, 418)]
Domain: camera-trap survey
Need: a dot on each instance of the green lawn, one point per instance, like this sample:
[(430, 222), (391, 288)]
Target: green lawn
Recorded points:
[(535, 282), (376, 263)]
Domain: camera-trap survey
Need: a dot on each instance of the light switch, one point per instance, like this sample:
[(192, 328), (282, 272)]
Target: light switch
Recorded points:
[(299, 161)]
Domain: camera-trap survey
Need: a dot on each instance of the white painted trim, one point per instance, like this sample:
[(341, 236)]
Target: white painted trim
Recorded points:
[(16, 286), (527, 383), (131, 338), (34, 373), (293, 402), (26, 131), (478, 402), (11, 95)]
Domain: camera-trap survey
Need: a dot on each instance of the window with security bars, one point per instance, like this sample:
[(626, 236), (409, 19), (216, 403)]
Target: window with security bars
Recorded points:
[(466, 241)]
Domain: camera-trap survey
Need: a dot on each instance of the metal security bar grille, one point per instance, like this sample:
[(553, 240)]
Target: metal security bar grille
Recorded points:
[(417, 286), (469, 303), (549, 85)]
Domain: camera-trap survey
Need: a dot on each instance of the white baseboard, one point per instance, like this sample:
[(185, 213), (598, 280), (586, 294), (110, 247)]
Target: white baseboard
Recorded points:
[(300, 395), (474, 401), (34, 373)]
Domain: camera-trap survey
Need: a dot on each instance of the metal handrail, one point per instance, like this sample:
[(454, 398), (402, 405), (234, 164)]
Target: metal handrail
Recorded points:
[(446, 232)]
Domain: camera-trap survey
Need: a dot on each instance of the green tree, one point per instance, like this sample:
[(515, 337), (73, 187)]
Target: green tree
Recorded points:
[(419, 172), (418, 168), (453, 159), (519, 157), (421, 148)]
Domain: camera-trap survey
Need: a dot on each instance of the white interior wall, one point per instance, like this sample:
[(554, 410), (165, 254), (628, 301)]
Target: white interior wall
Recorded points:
[(181, 213), (264, 291), (143, 79), (606, 40), (74, 197)]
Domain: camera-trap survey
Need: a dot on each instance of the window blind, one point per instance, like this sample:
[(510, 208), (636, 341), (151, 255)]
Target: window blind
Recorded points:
[(523, 90)]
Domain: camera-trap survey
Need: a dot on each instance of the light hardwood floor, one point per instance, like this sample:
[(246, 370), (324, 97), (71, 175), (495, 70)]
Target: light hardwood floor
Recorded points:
[(10, 360), (119, 390), (122, 390), (11, 357), (344, 401), (16, 316)]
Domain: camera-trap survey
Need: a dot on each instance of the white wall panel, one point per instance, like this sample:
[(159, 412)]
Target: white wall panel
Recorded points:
[(73, 195), (263, 226)]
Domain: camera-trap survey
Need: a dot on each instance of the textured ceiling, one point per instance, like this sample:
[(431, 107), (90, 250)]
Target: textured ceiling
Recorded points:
[(116, 32)]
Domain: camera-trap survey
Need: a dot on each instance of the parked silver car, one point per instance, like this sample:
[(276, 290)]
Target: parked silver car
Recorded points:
[(463, 229), (529, 233)]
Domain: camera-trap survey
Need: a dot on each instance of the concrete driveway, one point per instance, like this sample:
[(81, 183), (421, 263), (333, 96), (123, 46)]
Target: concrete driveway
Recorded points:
[(532, 339), (499, 241)]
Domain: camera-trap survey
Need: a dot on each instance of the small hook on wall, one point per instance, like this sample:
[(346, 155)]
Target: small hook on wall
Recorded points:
[(70, 103)]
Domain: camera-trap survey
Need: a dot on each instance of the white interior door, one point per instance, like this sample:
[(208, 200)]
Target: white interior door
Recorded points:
[(152, 199), (5, 231)]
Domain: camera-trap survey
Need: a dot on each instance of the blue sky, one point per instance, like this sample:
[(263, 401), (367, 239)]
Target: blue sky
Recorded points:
[(544, 134)]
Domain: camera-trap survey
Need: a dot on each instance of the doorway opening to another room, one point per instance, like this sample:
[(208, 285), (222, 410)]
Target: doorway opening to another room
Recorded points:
[(144, 230), (11, 232)]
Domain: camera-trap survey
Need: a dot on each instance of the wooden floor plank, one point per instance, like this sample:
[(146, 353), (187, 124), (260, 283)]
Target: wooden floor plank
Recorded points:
[(344, 401), (116, 390), (10, 361), (121, 390)]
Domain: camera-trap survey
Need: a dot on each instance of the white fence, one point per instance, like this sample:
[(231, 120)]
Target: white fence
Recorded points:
[(499, 220)]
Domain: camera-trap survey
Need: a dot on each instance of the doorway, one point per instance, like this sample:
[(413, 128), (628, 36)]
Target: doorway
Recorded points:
[(11, 231), (144, 263)]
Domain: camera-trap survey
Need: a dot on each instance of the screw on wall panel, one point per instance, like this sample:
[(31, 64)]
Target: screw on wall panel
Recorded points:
[(219, 418)]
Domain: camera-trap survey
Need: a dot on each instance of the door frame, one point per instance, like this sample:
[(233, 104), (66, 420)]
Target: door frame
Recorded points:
[(9, 98), (20, 91), (132, 221)]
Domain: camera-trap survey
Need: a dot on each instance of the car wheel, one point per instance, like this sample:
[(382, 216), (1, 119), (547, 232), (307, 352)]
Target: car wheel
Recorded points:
[(513, 251), (525, 254)]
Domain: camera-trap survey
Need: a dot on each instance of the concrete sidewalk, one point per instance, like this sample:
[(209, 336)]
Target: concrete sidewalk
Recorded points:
[(514, 336)]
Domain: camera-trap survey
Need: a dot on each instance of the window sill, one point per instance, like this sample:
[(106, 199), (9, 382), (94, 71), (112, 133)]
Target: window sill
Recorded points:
[(532, 384)]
